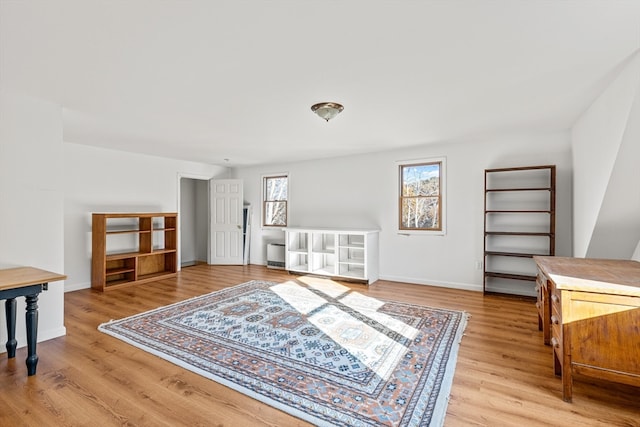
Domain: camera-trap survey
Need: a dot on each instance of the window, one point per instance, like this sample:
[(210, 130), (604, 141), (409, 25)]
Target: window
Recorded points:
[(421, 201), (275, 194)]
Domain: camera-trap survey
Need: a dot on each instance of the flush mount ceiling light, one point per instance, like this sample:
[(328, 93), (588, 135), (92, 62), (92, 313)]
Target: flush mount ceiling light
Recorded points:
[(327, 110)]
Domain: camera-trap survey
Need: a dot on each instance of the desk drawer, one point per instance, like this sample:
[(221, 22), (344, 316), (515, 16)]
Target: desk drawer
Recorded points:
[(555, 303), (556, 320), (556, 313), (556, 340), (541, 290)]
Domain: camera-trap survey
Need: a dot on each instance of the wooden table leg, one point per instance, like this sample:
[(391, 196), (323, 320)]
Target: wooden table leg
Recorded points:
[(32, 333), (10, 313)]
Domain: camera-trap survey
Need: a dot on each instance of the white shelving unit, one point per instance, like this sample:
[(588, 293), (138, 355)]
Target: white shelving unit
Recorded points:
[(342, 253)]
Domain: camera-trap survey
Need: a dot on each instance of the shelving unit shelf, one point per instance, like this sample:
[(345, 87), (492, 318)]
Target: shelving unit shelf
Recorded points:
[(342, 253), (519, 223), (132, 248)]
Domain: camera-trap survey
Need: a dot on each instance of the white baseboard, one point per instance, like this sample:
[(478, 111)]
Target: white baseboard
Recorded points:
[(44, 335), (452, 285), (68, 287)]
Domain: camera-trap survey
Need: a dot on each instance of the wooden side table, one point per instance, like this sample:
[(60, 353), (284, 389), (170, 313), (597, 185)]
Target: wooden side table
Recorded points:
[(25, 282)]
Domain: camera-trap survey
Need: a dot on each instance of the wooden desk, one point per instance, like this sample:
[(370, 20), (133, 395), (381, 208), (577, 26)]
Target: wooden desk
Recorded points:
[(593, 318), (25, 282)]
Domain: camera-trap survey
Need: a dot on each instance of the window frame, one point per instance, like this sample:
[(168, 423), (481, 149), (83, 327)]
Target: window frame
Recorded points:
[(264, 200), (442, 205)]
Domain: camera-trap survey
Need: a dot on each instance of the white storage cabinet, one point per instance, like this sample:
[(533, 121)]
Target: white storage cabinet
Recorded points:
[(342, 253)]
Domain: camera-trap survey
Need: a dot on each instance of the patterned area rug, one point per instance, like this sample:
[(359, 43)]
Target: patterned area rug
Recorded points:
[(313, 348)]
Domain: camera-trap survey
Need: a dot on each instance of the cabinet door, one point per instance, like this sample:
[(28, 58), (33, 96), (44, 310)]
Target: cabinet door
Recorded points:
[(226, 216)]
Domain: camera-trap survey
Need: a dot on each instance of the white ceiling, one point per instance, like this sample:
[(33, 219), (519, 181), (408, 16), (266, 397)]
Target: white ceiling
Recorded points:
[(212, 80)]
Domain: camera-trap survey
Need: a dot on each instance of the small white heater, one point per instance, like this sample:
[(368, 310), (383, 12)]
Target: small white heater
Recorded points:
[(275, 255)]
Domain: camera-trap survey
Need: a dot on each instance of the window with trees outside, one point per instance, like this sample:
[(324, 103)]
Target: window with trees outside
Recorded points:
[(421, 203), (275, 198)]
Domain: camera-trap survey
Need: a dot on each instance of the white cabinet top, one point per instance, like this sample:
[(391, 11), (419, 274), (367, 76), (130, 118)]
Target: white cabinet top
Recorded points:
[(333, 230)]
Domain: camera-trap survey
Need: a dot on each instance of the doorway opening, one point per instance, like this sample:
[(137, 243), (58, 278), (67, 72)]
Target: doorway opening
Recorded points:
[(194, 221)]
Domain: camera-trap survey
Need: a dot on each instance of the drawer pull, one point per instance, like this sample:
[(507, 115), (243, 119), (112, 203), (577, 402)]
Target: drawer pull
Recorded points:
[(555, 298), (554, 320), (555, 343)]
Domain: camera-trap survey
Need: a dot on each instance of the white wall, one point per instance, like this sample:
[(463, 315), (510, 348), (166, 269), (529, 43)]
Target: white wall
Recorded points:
[(361, 191), (31, 224), (101, 180), (606, 150)]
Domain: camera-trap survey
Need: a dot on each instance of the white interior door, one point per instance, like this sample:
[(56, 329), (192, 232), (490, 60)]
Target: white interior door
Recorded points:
[(226, 203)]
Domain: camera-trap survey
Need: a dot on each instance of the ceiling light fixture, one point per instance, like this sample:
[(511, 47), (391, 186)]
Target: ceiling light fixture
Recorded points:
[(327, 110)]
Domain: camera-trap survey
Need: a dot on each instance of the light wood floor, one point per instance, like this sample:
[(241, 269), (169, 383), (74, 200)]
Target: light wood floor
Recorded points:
[(504, 375)]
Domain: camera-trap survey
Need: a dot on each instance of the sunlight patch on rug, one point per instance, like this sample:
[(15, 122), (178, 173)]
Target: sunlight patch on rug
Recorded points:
[(313, 348)]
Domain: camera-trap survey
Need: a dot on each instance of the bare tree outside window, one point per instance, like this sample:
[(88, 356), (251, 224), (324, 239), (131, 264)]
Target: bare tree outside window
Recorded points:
[(275, 201), (421, 196)]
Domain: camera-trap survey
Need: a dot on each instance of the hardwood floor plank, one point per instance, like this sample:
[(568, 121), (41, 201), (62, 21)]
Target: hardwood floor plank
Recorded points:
[(504, 375)]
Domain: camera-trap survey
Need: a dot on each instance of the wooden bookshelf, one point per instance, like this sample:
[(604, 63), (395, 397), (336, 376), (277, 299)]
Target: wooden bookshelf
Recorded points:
[(519, 223), (132, 248)]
